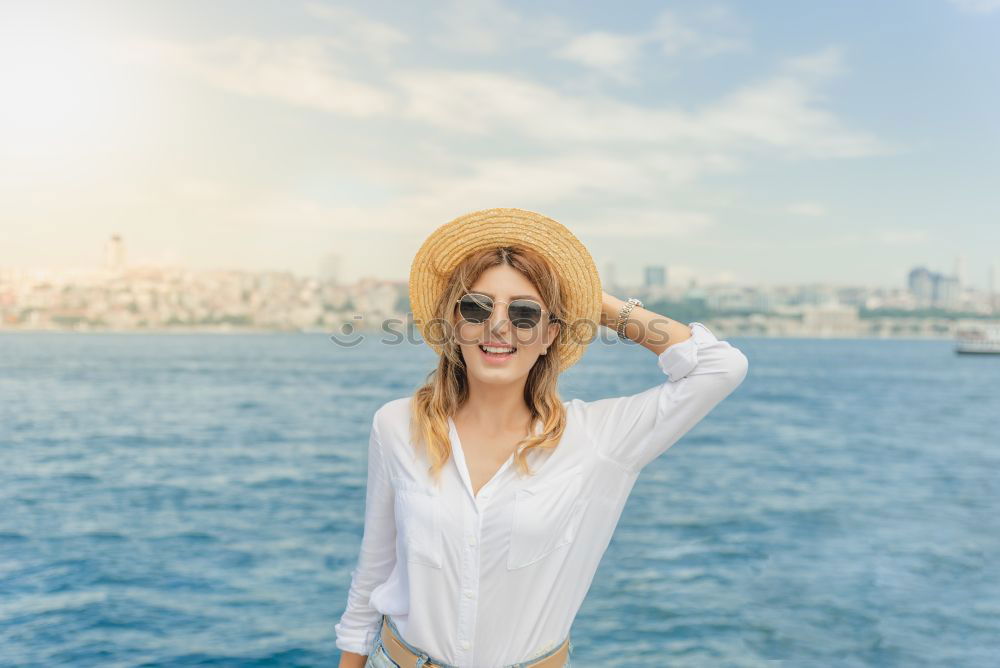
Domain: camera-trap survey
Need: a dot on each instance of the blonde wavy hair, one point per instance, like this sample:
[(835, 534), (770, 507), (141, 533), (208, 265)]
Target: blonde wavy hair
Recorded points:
[(446, 387)]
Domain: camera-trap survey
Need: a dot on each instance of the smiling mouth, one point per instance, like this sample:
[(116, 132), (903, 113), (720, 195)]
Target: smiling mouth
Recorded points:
[(501, 351)]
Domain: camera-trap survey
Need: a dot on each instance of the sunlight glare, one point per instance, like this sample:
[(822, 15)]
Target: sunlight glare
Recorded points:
[(60, 92)]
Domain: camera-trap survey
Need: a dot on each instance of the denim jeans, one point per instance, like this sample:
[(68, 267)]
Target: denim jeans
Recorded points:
[(379, 658)]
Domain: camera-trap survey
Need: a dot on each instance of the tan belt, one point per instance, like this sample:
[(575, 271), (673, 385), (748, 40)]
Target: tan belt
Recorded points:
[(397, 652)]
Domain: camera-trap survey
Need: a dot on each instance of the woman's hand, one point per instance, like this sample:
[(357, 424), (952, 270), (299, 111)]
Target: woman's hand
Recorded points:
[(652, 331)]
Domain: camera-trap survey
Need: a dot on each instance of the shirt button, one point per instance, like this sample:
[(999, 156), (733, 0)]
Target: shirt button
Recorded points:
[(469, 594), (465, 644), (472, 540)]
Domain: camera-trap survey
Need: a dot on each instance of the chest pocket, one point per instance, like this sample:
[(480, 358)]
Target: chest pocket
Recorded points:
[(547, 517), (418, 521)]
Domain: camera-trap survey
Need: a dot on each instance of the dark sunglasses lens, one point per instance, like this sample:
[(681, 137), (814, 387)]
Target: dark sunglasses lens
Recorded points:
[(524, 314), (475, 308)]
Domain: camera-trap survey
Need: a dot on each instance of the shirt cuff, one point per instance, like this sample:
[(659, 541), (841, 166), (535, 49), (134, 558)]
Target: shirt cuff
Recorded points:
[(357, 642), (681, 358)]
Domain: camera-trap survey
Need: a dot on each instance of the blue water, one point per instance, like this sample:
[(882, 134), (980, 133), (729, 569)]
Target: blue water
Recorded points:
[(196, 499)]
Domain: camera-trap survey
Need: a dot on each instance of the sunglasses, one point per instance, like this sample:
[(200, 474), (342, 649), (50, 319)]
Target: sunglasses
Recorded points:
[(523, 313)]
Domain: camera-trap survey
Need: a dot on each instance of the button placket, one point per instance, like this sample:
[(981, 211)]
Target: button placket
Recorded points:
[(470, 576), (468, 609)]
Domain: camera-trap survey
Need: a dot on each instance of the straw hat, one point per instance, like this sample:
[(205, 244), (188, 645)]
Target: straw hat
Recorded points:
[(449, 244)]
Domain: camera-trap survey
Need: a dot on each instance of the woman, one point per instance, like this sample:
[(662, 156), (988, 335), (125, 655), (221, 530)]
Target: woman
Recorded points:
[(491, 501)]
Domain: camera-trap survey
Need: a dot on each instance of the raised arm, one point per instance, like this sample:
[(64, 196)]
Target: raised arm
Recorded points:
[(359, 623), (652, 331), (700, 372)]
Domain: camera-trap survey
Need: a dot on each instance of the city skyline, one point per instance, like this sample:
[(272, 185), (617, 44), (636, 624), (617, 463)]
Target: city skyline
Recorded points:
[(115, 257), (762, 145), (120, 297)]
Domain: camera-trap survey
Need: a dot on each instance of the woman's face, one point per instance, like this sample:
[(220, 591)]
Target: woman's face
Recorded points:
[(504, 284)]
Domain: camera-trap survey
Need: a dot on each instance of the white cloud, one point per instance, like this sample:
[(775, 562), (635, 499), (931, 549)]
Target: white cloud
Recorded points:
[(977, 6), (300, 71), (646, 223), (611, 54), (617, 55), (886, 236), (372, 38), (491, 26), (721, 33), (777, 112), (557, 147), (900, 237), (781, 114), (539, 146), (826, 62), (806, 209), (783, 111), (578, 176)]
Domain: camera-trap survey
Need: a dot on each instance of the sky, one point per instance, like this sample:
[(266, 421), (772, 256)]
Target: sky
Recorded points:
[(745, 142)]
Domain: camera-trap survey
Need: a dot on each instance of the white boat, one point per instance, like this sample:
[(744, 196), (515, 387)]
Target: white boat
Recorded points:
[(979, 339)]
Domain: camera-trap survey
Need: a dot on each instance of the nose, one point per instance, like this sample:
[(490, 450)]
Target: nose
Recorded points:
[(498, 321)]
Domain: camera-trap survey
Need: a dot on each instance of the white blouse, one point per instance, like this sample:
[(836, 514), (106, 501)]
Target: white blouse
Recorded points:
[(496, 578)]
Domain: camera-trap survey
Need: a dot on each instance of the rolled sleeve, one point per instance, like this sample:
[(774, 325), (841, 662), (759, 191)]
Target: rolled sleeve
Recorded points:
[(358, 626), (681, 358), (634, 430)]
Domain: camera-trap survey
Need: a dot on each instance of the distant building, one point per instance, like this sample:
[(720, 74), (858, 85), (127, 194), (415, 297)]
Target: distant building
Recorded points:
[(934, 290), (655, 277), (920, 283), (831, 320), (959, 273), (330, 268), (948, 293), (763, 302), (114, 254), (817, 294), (993, 299)]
